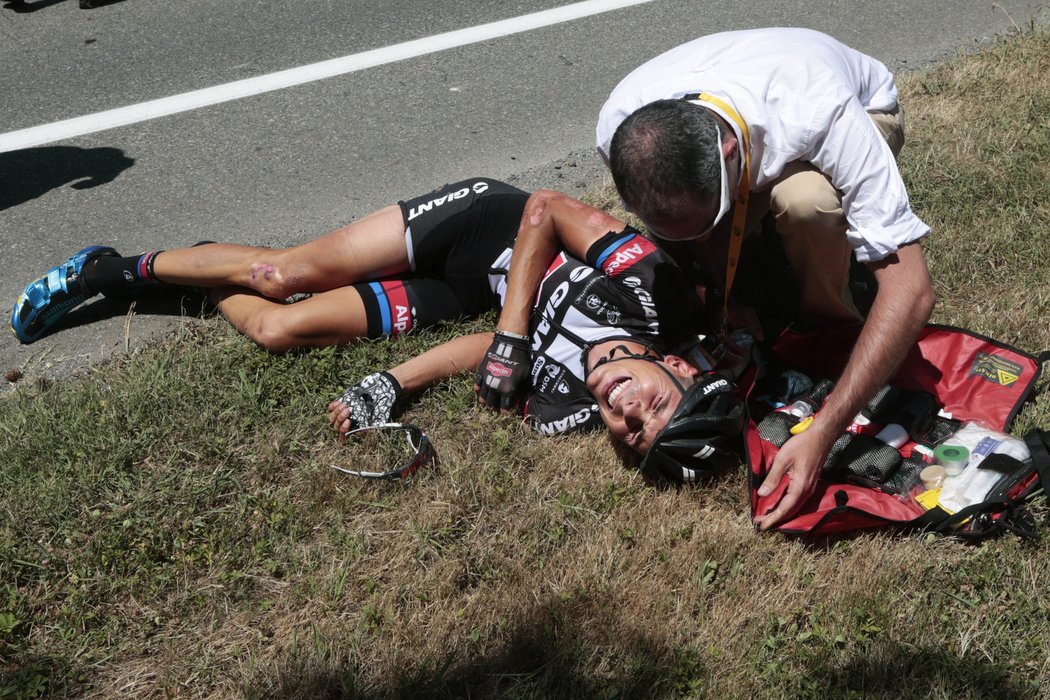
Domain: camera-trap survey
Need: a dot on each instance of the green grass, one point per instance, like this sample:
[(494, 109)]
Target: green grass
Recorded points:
[(169, 524)]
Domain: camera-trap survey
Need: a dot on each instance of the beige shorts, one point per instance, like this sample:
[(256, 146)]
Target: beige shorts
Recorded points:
[(809, 217)]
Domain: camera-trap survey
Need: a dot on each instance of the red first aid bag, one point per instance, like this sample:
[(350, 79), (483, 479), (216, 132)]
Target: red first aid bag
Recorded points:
[(953, 384)]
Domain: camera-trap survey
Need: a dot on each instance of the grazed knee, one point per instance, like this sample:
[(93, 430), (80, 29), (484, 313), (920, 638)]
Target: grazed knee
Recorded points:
[(276, 278)]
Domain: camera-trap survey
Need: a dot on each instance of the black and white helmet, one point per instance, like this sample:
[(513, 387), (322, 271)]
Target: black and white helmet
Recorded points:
[(703, 434)]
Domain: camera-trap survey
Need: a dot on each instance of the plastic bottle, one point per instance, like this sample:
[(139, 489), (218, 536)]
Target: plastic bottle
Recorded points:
[(809, 403)]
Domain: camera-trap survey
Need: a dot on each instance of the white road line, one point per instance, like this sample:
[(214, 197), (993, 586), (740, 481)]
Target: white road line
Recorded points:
[(113, 118)]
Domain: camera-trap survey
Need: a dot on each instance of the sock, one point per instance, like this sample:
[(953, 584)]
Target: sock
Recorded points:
[(113, 274)]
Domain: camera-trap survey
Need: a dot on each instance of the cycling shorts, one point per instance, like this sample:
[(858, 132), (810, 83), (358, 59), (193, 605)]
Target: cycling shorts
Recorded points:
[(454, 236)]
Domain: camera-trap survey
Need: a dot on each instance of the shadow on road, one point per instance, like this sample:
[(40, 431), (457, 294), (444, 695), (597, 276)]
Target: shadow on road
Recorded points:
[(23, 6), (167, 300), (32, 172)]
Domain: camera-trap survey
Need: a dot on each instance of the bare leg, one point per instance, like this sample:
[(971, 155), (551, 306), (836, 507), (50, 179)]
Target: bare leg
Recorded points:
[(330, 318), (367, 249)]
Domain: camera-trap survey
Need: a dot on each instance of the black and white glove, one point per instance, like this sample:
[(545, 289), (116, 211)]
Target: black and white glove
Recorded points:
[(503, 377), (374, 400)]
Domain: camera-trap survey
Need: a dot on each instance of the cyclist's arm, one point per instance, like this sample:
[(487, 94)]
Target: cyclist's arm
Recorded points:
[(552, 221), (462, 354), (458, 355)]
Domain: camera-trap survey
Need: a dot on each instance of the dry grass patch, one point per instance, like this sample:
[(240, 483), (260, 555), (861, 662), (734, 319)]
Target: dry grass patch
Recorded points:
[(976, 166), (172, 526)]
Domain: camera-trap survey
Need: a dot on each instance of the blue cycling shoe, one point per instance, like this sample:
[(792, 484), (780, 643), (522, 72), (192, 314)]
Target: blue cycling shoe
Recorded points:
[(45, 301)]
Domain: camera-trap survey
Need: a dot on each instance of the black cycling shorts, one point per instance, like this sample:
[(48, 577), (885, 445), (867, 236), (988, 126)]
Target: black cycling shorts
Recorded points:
[(396, 306), (454, 235)]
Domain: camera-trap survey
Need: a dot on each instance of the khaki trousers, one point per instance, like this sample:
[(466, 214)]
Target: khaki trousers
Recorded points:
[(809, 218)]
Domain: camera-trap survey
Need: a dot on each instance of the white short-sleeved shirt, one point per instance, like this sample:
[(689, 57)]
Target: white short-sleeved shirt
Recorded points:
[(804, 97)]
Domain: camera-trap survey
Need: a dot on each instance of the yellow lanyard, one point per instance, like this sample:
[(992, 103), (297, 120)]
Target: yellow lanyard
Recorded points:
[(736, 238)]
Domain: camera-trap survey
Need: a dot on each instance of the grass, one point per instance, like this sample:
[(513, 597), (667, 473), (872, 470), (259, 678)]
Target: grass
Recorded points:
[(169, 524)]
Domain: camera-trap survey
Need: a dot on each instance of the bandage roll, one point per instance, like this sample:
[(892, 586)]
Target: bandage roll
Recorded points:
[(952, 457)]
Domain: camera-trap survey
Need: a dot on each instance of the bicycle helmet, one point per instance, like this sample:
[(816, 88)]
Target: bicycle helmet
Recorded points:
[(702, 435)]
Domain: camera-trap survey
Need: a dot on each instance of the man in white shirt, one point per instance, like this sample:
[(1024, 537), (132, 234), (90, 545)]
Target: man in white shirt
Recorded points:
[(707, 138)]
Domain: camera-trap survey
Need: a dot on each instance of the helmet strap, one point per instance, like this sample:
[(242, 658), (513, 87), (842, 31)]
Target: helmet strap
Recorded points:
[(671, 376), (628, 355)]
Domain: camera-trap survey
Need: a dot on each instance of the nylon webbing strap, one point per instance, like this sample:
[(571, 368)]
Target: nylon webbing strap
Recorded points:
[(1038, 443), (736, 238)]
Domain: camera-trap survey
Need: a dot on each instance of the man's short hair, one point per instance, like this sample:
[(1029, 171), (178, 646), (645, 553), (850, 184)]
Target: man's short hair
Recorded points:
[(661, 152)]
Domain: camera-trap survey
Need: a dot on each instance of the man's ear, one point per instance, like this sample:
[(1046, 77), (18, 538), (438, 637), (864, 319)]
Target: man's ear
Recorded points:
[(680, 366), (729, 148)]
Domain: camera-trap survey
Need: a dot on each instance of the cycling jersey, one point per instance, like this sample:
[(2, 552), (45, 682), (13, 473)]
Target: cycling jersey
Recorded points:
[(628, 288)]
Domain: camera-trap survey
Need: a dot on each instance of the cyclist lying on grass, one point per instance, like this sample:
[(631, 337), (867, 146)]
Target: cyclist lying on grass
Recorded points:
[(438, 257), (595, 353)]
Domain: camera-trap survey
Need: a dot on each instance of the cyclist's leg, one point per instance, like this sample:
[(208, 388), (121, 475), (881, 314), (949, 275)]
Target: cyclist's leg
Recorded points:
[(335, 317), (338, 316), (367, 249)]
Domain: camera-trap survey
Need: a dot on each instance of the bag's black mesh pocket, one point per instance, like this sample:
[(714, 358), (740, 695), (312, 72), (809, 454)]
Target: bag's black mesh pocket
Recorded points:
[(905, 476), (861, 456), (880, 409), (940, 430), (776, 427)]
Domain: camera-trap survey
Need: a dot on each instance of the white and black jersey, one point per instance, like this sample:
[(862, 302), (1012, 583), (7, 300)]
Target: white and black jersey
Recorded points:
[(627, 288)]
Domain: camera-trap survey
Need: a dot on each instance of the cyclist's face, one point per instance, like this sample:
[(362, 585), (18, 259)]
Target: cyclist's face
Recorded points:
[(636, 398)]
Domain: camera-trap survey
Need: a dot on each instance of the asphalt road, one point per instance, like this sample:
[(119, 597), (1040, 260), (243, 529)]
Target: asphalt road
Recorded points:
[(285, 166)]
